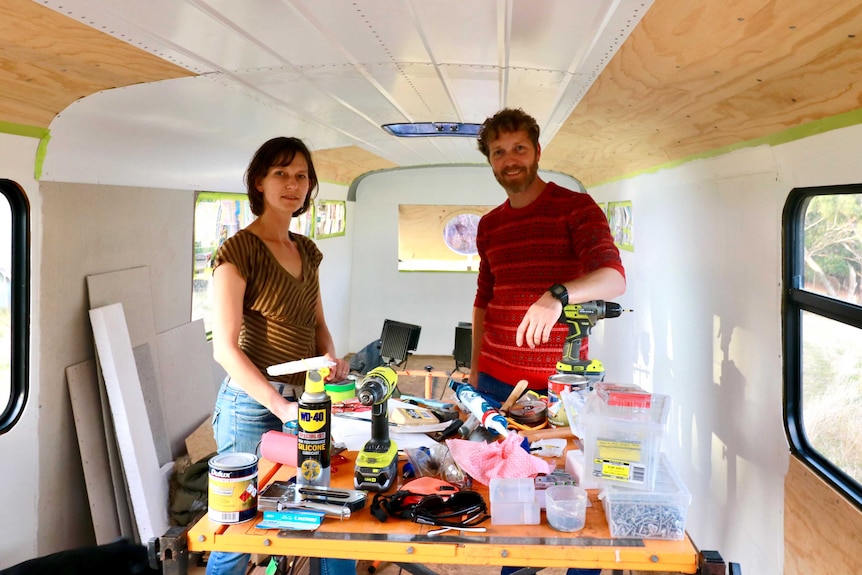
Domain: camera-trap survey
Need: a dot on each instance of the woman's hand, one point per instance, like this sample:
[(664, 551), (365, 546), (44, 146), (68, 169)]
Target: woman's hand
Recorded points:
[(339, 371), (286, 410)]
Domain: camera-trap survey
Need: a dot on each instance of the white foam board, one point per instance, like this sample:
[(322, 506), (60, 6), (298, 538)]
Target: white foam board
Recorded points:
[(146, 479)]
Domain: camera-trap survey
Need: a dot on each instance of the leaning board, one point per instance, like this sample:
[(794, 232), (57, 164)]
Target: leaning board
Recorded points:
[(147, 483)]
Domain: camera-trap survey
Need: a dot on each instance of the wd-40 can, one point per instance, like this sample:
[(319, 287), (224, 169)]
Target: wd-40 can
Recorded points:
[(314, 432)]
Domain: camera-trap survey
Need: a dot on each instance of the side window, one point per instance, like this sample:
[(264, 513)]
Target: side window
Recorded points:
[(218, 216), (822, 331), (14, 302)]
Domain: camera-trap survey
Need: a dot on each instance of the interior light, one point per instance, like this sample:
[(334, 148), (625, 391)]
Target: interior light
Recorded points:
[(425, 129)]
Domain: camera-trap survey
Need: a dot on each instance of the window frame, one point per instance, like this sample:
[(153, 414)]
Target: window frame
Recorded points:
[(19, 304), (795, 301)]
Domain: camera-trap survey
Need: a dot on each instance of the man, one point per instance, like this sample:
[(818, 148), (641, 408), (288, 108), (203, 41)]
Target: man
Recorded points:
[(545, 246)]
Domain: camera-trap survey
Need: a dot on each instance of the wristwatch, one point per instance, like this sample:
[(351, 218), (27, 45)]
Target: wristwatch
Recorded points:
[(560, 292)]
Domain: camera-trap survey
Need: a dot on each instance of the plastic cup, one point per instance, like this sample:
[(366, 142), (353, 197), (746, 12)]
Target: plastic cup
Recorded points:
[(566, 507)]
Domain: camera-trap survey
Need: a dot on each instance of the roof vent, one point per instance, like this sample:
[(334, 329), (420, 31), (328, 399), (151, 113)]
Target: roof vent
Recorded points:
[(428, 129)]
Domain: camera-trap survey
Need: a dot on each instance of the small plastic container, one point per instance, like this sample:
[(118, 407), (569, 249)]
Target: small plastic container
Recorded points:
[(566, 507), (622, 443), (519, 513), (513, 501), (512, 490), (657, 514)]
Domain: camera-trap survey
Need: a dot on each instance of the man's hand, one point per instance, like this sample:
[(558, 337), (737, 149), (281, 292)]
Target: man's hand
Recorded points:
[(541, 317)]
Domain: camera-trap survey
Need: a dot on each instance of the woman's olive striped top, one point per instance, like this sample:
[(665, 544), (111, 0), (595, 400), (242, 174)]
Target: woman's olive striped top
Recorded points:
[(278, 310)]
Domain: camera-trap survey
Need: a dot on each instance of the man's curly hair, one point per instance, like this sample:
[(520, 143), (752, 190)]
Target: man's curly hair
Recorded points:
[(505, 121)]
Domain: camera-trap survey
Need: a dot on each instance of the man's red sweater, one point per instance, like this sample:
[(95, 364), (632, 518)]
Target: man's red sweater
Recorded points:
[(561, 236)]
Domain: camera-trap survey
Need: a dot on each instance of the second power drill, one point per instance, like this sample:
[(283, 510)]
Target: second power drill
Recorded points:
[(377, 461), (581, 318)]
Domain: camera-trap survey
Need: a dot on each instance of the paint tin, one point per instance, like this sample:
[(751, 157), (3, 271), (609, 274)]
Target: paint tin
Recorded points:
[(232, 488), (557, 383)]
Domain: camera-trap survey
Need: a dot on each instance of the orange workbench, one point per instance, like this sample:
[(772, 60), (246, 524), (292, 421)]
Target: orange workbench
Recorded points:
[(400, 541)]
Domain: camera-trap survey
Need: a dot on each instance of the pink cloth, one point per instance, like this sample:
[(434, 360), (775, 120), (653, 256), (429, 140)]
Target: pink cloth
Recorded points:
[(507, 459)]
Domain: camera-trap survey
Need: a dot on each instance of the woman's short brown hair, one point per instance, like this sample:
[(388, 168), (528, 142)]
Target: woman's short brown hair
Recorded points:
[(505, 121), (278, 151)]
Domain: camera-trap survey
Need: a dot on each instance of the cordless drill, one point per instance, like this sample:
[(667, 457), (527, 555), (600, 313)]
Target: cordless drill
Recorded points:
[(581, 318), (377, 462)]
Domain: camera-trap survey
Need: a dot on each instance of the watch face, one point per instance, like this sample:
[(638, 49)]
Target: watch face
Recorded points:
[(560, 292)]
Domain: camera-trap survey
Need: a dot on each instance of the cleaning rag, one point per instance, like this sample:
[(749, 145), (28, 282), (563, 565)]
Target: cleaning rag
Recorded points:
[(506, 458)]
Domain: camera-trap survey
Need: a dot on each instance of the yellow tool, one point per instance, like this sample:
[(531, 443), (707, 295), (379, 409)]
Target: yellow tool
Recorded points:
[(581, 319), (377, 462)]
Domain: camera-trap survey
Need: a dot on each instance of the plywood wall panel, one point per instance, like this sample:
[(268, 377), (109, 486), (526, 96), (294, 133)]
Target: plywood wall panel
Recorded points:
[(822, 530)]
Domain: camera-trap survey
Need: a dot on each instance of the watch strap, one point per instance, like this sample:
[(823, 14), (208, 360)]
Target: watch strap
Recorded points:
[(560, 292)]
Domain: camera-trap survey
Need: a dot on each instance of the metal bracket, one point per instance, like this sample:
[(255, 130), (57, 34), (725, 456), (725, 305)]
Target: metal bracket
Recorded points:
[(170, 552), (711, 563)]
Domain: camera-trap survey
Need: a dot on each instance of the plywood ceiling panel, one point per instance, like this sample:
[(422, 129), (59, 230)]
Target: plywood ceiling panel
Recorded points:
[(695, 77), (47, 61)]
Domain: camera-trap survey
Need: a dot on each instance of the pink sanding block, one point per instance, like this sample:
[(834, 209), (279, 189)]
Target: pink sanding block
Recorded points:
[(279, 447)]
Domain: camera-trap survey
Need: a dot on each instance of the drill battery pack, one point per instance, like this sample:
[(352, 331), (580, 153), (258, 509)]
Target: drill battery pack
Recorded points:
[(376, 471)]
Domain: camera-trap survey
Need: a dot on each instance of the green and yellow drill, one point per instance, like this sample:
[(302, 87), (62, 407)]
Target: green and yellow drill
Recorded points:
[(581, 319)]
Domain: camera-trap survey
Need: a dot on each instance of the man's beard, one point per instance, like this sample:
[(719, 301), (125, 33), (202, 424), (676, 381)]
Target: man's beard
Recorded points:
[(527, 179)]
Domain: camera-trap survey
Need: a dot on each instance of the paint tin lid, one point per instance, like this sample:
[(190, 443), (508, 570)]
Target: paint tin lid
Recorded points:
[(529, 412), (233, 461), (572, 380)]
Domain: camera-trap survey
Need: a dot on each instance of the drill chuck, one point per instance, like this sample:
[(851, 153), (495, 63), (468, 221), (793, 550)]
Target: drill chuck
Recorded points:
[(372, 391), (377, 386), (612, 309)]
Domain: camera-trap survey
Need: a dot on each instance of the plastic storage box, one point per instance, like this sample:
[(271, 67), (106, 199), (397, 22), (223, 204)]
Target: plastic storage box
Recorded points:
[(656, 514), (622, 443)]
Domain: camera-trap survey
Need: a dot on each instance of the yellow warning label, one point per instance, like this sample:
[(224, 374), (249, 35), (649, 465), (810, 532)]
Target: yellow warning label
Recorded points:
[(619, 450), (620, 471), (312, 419)]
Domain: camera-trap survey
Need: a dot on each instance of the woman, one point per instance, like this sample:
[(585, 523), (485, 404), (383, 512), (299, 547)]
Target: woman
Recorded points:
[(267, 310)]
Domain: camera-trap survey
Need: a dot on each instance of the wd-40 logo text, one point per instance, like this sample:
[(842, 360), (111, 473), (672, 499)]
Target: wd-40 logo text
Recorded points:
[(312, 419)]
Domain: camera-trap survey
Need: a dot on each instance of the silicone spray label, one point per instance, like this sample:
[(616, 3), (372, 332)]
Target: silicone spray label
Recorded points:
[(314, 431)]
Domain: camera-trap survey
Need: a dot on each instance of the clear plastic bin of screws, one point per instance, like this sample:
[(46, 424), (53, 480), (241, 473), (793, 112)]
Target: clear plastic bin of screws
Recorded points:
[(656, 514)]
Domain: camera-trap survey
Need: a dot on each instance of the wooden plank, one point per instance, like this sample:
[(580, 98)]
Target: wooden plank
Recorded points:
[(83, 383), (822, 530), (147, 481)]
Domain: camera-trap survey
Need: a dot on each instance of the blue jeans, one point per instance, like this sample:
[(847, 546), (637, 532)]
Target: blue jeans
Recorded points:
[(238, 424), (500, 391), (493, 388)]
